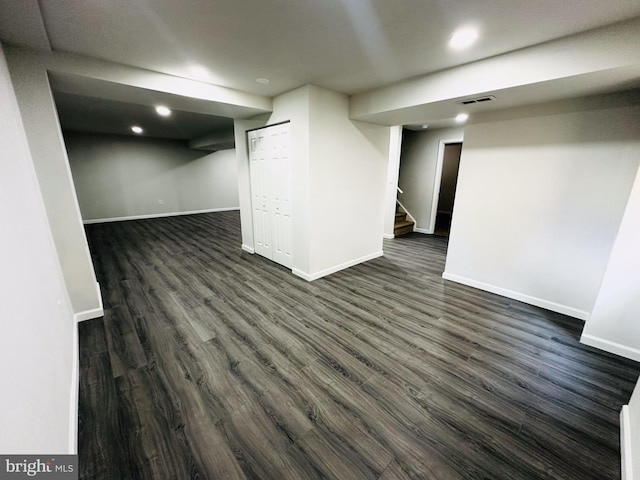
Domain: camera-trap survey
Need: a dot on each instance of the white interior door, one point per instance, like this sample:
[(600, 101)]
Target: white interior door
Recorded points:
[(269, 156)]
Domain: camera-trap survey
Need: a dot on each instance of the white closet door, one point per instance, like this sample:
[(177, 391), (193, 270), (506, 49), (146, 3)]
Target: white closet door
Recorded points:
[(260, 172), (271, 192), (281, 162)]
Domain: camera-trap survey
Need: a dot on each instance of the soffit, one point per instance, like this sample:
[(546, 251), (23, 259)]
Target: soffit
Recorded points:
[(90, 114)]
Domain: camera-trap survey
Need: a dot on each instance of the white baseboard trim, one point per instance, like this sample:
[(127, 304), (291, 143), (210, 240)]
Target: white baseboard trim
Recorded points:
[(388, 236), (94, 312), (328, 271), (248, 249), (611, 347), (75, 393), (522, 297), (88, 314), (626, 448), (301, 274), (157, 215)]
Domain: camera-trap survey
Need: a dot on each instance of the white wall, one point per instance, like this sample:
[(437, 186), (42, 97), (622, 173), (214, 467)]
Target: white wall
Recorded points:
[(38, 340), (614, 322), (418, 162), (124, 176), (539, 203), (347, 184), (52, 168)]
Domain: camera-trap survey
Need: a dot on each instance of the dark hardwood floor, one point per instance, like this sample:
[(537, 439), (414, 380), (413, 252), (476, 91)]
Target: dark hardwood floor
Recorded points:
[(211, 363)]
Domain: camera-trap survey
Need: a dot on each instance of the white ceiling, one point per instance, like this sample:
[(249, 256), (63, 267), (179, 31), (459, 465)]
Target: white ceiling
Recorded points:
[(345, 45), (349, 46)]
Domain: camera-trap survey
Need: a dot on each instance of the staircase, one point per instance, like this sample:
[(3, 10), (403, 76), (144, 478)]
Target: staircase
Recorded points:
[(402, 226)]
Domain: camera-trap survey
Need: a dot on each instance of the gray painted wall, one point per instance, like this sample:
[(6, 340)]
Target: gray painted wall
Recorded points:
[(125, 176)]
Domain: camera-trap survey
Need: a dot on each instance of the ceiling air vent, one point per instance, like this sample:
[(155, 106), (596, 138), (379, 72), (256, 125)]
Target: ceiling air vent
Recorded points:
[(470, 101)]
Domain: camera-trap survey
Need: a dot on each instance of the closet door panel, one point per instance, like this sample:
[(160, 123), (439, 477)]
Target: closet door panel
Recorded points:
[(270, 170), (282, 228), (260, 193)]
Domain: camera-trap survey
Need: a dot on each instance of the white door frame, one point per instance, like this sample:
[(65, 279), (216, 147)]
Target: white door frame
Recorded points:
[(438, 178)]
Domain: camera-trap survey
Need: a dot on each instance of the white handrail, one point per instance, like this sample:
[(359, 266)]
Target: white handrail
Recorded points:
[(399, 189)]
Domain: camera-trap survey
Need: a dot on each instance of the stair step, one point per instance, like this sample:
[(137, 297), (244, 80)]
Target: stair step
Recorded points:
[(403, 223), (403, 227), (400, 216)]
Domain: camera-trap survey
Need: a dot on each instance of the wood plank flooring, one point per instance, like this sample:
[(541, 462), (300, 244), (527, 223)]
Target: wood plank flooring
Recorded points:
[(211, 363)]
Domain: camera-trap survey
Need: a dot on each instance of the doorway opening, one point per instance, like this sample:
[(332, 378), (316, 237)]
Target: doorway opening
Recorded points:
[(444, 193)]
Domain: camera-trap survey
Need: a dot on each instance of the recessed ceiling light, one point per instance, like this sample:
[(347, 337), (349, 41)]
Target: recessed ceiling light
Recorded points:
[(461, 117), (199, 71), (426, 125), (163, 111), (263, 81), (136, 129), (463, 38)]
